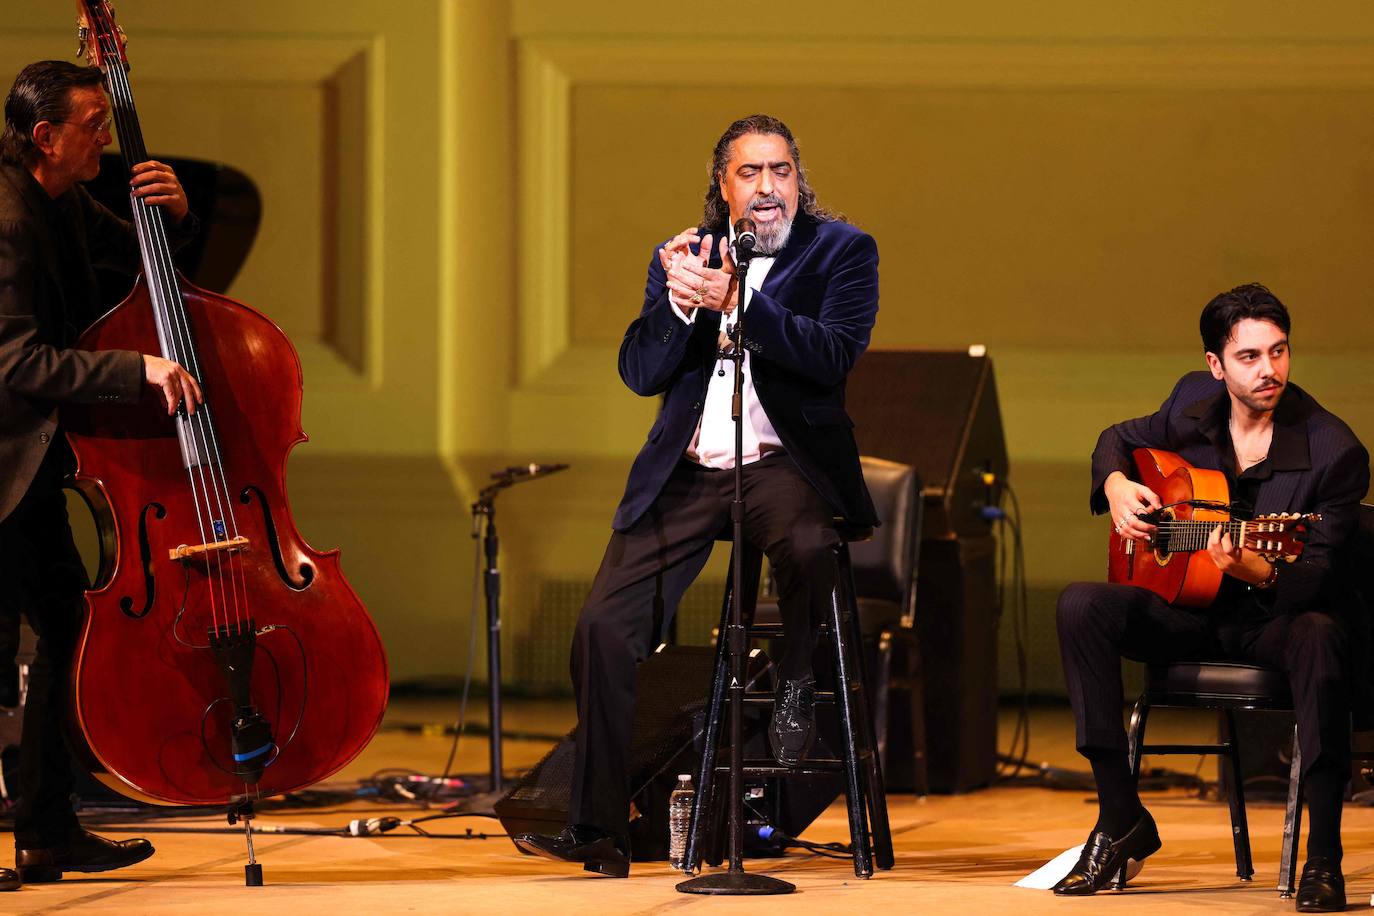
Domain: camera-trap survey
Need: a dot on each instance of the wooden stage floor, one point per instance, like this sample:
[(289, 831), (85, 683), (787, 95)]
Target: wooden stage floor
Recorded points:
[(954, 853)]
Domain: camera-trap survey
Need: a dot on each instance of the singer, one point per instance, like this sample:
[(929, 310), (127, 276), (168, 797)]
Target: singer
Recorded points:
[(811, 302)]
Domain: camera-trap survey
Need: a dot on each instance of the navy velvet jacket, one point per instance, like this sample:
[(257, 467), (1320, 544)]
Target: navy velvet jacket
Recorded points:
[(1318, 465), (804, 329)]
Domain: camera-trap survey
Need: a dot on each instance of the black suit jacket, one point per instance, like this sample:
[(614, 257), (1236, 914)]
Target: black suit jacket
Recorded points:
[(1318, 466), (38, 368), (804, 329)]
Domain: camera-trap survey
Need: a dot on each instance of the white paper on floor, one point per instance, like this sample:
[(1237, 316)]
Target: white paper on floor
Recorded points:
[(1049, 874)]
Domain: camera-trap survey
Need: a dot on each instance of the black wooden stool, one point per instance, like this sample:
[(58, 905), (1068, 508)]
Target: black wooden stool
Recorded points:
[(870, 834)]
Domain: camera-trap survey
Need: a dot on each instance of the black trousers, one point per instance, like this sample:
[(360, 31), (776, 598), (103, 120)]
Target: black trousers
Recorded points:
[(642, 577), (1100, 623), (41, 573)]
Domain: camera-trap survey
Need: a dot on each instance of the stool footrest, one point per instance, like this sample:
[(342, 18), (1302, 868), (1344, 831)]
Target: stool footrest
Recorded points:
[(767, 699), (771, 630), (1185, 749), (760, 769)]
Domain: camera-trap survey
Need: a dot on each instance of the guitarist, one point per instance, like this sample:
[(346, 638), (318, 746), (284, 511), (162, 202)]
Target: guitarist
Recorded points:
[(1280, 452)]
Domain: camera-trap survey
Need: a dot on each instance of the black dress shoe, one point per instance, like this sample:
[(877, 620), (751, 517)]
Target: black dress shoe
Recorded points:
[(596, 850), (793, 728), (1103, 857), (82, 852), (1322, 888), (9, 880)]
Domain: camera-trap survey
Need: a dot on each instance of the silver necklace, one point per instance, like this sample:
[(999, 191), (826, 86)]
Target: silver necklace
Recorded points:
[(1246, 459)]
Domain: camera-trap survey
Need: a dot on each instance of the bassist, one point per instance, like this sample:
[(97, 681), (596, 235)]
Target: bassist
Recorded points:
[(1280, 452), (57, 122)]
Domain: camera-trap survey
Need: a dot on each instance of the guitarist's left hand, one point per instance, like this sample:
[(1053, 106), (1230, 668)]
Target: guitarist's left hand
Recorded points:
[(1234, 561)]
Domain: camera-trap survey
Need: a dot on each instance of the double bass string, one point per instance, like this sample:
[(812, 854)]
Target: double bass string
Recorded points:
[(176, 337), (162, 279)]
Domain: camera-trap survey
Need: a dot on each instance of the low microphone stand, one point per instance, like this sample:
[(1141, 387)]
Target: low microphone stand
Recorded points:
[(736, 881), (485, 507)]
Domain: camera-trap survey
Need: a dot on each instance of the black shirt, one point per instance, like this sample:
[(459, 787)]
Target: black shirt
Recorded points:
[(1244, 489)]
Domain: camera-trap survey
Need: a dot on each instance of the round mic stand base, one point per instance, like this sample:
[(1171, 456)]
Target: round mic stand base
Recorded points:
[(733, 883)]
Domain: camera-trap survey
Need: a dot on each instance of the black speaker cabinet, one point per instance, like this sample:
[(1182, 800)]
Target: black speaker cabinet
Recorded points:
[(673, 686), (956, 626), (937, 411)]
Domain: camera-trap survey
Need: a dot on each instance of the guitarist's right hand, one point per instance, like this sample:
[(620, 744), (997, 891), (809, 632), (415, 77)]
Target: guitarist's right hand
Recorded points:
[(1128, 500)]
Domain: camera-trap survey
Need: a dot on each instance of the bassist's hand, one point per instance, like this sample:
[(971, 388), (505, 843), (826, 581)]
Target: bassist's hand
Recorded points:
[(1128, 500), (157, 184), (175, 383)]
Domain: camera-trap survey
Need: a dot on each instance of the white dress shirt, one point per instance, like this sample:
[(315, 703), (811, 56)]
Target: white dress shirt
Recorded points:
[(713, 445)]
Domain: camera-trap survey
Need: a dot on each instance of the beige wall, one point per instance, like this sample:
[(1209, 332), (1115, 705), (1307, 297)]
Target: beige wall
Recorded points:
[(461, 198)]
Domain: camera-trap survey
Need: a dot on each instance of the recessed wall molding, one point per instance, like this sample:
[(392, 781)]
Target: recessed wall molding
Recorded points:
[(551, 69)]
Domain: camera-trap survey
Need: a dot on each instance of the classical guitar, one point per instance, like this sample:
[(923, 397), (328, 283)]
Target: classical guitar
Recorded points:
[(1175, 564)]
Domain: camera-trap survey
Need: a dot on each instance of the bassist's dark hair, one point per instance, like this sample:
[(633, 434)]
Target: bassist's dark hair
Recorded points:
[(39, 93), (1226, 310)]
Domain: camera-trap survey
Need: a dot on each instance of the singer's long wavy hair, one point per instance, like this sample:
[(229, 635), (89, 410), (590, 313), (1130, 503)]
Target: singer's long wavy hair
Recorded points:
[(716, 211)]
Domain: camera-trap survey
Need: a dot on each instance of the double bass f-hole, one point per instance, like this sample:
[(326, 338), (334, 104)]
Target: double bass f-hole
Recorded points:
[(307, 572), (145, 556)]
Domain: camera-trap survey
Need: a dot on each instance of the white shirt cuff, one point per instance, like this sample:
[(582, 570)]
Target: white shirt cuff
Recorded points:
[(677, 310)]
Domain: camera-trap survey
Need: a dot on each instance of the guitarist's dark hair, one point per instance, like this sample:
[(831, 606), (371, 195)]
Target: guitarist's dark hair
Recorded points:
[(1227, 309)]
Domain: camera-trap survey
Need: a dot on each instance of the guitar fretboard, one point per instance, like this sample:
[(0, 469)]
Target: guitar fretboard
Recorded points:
[(1178, 535)]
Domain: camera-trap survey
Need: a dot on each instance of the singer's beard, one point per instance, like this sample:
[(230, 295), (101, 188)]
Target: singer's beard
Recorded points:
[(772, 235)]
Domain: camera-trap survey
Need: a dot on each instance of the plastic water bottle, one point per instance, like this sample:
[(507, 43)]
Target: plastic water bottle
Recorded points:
[(679, 820)]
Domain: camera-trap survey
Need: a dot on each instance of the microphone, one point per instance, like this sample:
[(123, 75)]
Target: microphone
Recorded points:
[(746, 236), (530, 470)]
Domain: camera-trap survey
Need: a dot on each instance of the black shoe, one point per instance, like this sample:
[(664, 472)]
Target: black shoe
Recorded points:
[(597, 850), (82, 852), (1103, 857), (1322, 888), (793, 728), (9, 880)]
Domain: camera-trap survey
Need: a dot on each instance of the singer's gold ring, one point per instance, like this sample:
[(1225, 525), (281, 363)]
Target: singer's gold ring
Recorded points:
[(696, 299), (703, 290)]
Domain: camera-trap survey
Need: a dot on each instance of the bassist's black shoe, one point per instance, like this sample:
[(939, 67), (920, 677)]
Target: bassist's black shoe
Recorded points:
[(9, 880), (1322, 887), (596, 850), (1103, 857), (81, 852)]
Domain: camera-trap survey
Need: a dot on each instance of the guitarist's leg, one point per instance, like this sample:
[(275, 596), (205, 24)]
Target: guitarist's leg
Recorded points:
[(1099, 624), (1314, 650)]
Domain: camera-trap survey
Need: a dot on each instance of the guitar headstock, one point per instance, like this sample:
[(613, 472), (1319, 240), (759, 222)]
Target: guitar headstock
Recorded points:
[(1279, 536), (101, 39)]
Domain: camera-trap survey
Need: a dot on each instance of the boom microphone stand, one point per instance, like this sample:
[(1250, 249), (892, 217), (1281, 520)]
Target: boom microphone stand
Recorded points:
[(485, 507), (736, 881)]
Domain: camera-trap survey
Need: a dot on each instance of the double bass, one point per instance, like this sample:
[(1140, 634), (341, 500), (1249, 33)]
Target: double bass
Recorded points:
[(222, 657)]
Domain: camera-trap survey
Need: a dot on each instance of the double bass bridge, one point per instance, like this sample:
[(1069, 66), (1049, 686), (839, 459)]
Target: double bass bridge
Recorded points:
[(196, 551)]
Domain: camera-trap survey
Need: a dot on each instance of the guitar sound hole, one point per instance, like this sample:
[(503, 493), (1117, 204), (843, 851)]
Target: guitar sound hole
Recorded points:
[(1160, 546)]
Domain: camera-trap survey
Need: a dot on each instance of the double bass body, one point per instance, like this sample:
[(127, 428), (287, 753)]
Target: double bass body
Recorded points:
[(154, 704)]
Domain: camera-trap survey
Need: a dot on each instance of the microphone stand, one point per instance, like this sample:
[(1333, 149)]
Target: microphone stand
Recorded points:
[(485, 507), (736, 881)]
